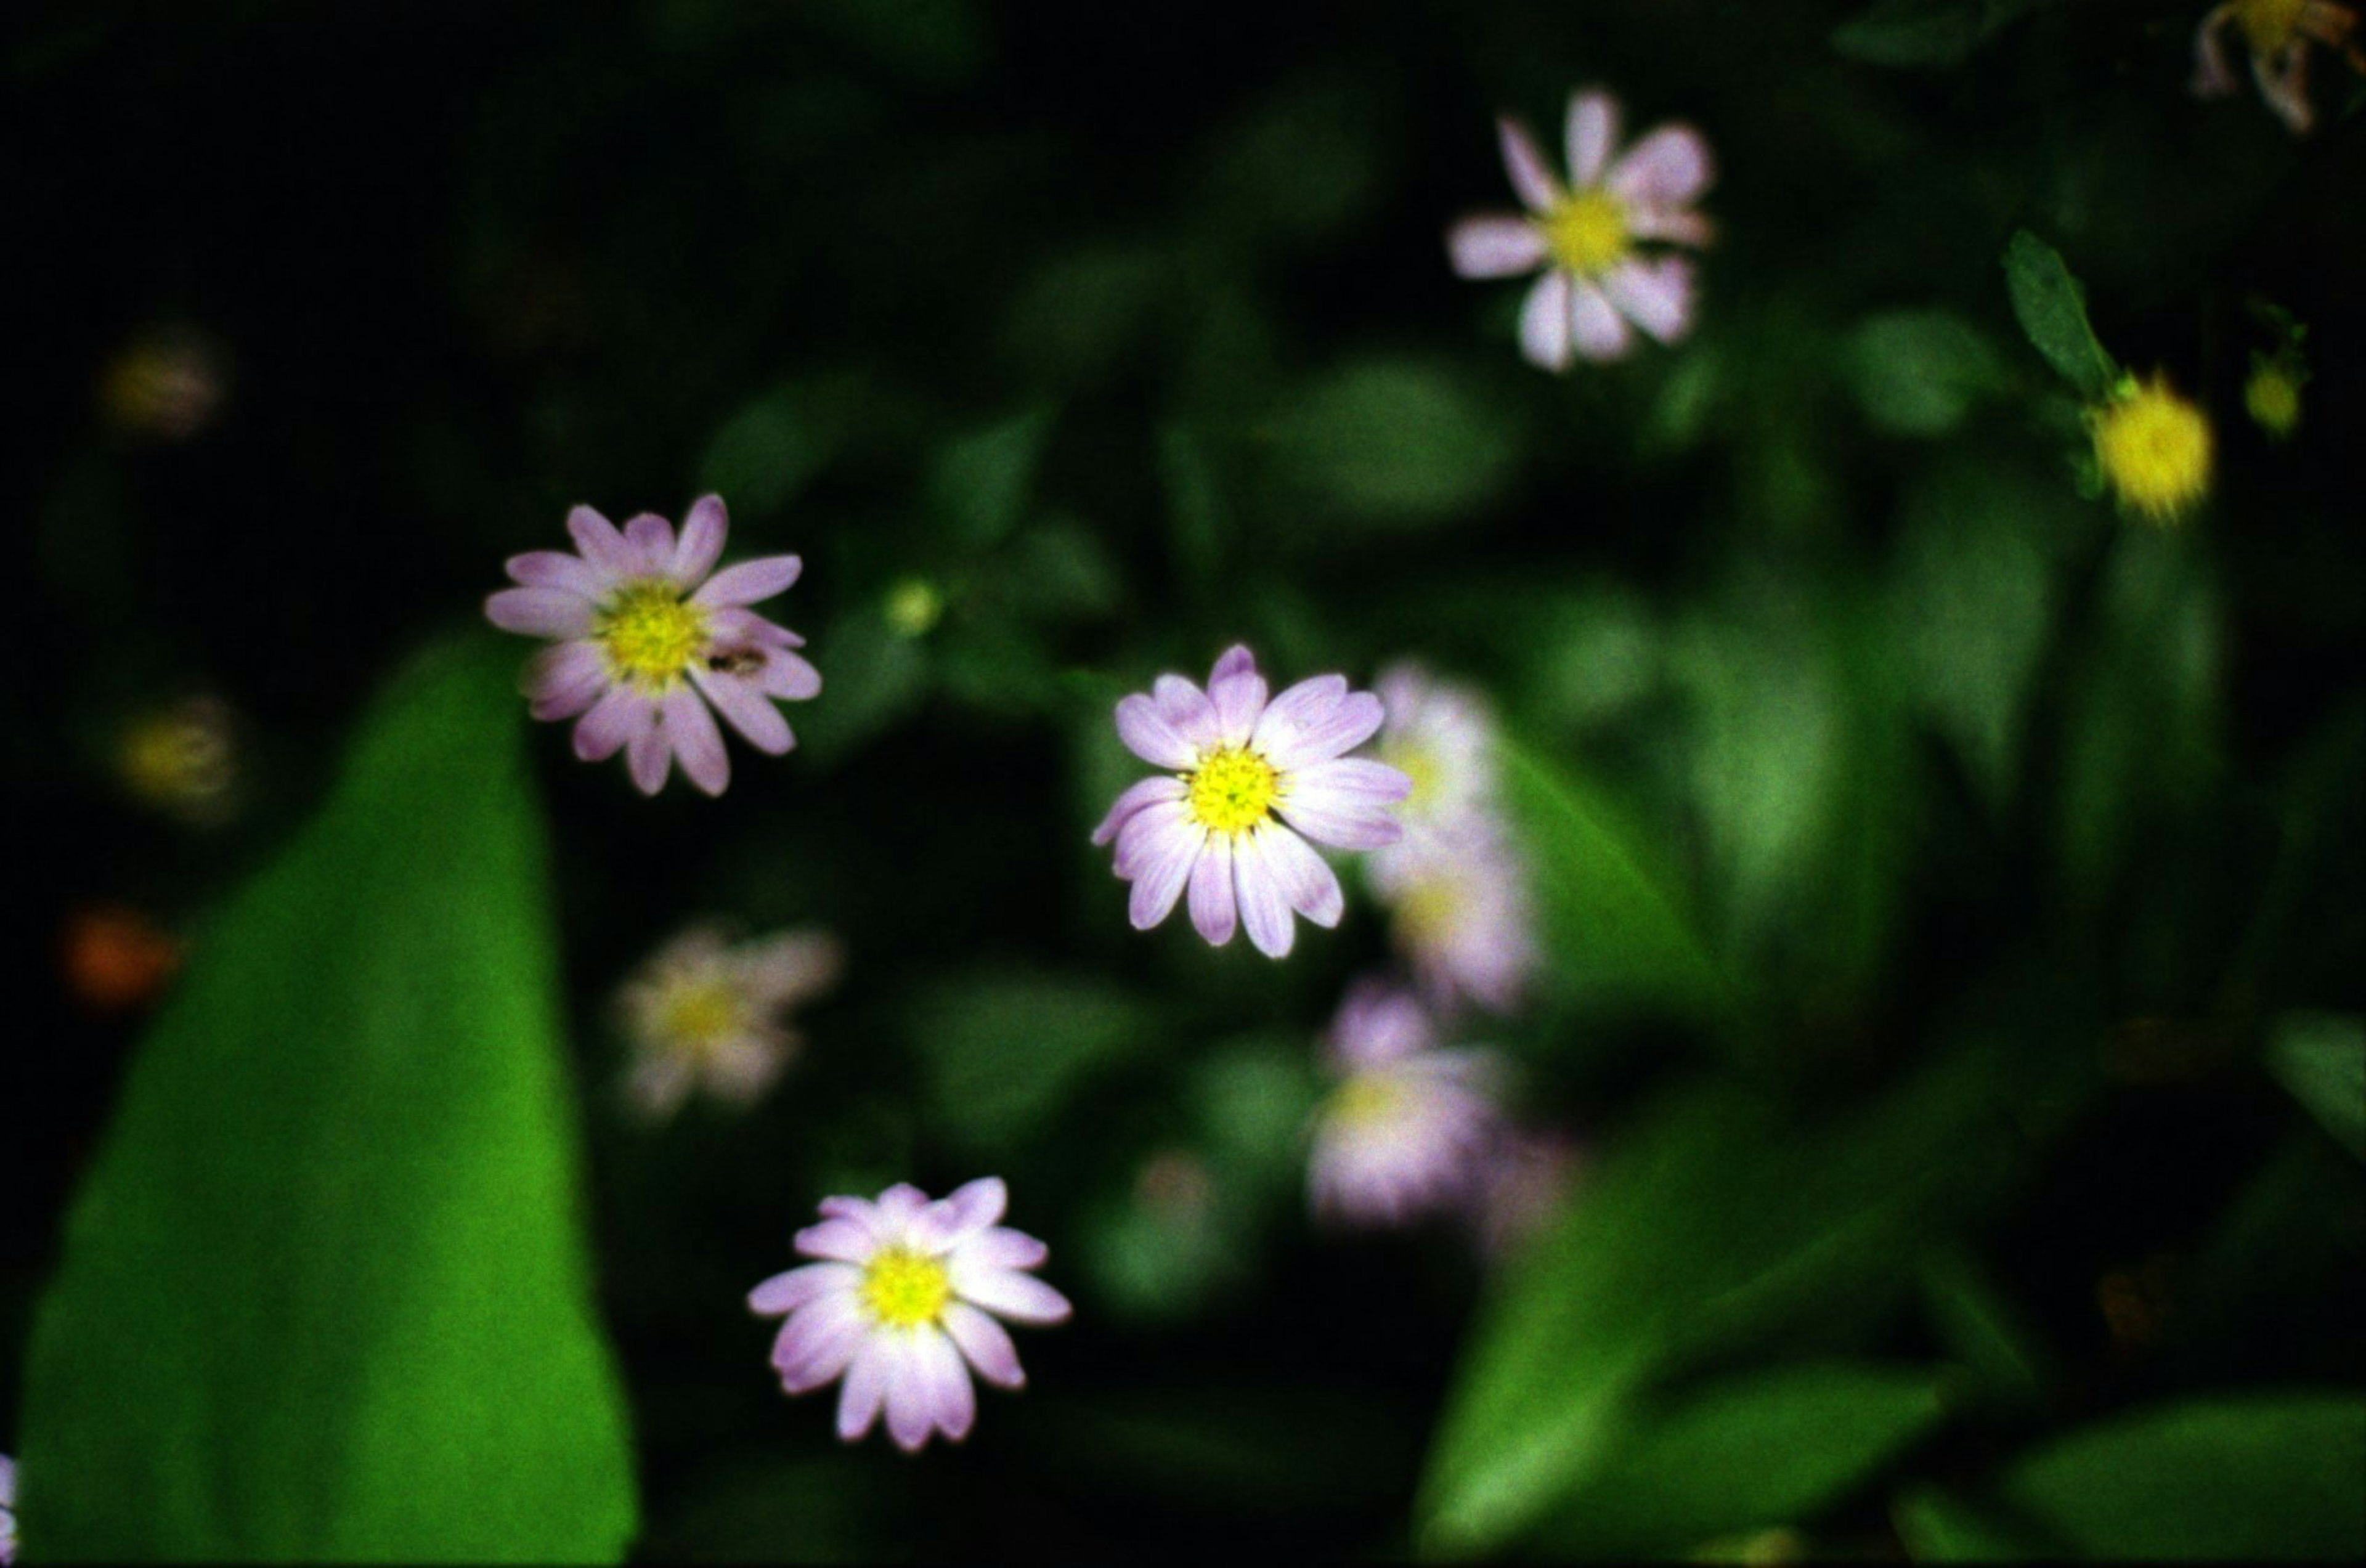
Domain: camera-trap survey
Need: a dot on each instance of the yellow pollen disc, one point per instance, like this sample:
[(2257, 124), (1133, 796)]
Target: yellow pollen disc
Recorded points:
[(1365, 1100), (2154, 448), (904, 1289), (1587, 232), (650, 632), (1419, 763), (703, 1013), (1232, 790), (2269, 25)]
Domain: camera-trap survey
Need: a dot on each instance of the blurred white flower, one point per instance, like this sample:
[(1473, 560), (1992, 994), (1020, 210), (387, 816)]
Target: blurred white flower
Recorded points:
[(2278, 34), (703, 1012), (1405, 1132)]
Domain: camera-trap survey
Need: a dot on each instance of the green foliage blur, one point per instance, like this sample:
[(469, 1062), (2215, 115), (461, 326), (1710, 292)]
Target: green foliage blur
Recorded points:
[(1948, 879)]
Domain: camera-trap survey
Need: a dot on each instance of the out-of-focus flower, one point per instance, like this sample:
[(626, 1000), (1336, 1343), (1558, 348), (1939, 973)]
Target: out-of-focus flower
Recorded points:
[(914, 606), (647, 638), (1462, 916), (703, 1012), (1521, 1186), (1408, 1127), (1588, 237), (1442, 737), (164, 386), (183, 760), (2278, 34), (7, 1509), (114, 958), (1249, 777), (2271, 395), (908, 1291), (2153, 449)]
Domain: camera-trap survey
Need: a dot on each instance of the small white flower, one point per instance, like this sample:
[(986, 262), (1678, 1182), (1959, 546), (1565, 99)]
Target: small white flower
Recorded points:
[(904, 1305), (701, 1012), (1408, 1127)]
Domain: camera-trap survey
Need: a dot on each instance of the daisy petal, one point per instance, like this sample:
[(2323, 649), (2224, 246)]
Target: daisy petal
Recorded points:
[(910, 1397), (1599, 331), (1493, 246), (1353, 719), (691, 728), (1312, 887), (986, 1344), (541, 611), (564, 681), (1212, 913), (1264, 907), (701, 544), (839, 1239), (1545, 322), (1591, 131), (1239, 698), (650, 538), (1655, 295), (1002, 1247), (1166, 866), (786, 1292), (613, 722), (749, 581), (557, 569), (1021, 1298), (648, 756), (865, 1387), (944, 1379), (963, 1213), (1185, 709), (597, 541), (1670, 167), (1147, 792), (1532, 181), (1148, 734), (743, 702)]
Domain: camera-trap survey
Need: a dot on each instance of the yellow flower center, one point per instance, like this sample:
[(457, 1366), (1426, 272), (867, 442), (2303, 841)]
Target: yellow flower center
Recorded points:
[(2269, 25), (703, 1013), (1427, 910), (1419, 763), (1365, 1101), (650, 632), (1586, 231), (2154, 448), (1232, 790), (905, 1288)]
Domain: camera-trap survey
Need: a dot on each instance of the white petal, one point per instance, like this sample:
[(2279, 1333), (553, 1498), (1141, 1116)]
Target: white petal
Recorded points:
[(1599, 330), (1265, 906), (1670, 167), (1531, 179), (1545, 322), (1657, 296), (1494, 246), (1591, 130)]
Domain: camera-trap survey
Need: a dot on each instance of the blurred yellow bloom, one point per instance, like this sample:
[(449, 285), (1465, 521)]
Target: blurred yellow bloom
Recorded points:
[(2272, 396), (2154, 449), (182, 760)]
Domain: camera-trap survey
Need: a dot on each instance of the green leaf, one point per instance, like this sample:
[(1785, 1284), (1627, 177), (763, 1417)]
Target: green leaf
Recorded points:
[(1393, 443), (874, 676), (1938, 1527), (2053, 310), (2237, 1477), (324, 1293), (1769, 1448), (979, 486), (2321, 1057), (1919, 372), (1981, 1328), (1006, 1052), (1618, 932), (1924, 32), (766, 454)]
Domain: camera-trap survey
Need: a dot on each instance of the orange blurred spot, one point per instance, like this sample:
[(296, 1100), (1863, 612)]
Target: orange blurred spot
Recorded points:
[(117, 959)]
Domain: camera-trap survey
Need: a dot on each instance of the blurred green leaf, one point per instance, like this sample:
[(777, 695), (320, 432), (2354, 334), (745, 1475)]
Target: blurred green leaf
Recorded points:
[(1981, 1328), (1767, 1447), (1301, 163), (1005, 1052), (1393, 442), (2321, 1058), (1924, 32), (1937, 1526), (324, 1294), (1716, 1221), (779, 1508), (873, 676), (979, 486), (2236, 1477), (2053, 310), (937, 43), (766, 454), (1618, 930), (1919, 372)]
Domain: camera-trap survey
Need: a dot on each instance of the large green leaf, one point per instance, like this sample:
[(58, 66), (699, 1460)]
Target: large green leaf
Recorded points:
[(2321, 1058), (1393, 442), (2236, 1477), (2053, 311), (324, 1293), (1007, 1052)]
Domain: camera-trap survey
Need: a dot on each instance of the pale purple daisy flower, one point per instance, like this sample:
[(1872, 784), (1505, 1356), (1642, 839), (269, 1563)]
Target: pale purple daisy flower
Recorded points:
[(1249, 777), (1409, 1123), (705, 1012), (1441, 736), (7, 1509), (907, 1292), (2279, 34), (1461, 915), (646, 640), (1588, 237)]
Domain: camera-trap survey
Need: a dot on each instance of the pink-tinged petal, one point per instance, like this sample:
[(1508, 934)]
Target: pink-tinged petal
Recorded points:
[(1678, 226), (2213, 78), (742, 702), (597, 541), (1000, 1247), (900, 1204), (650, 538), (540, 612), (839, 1239), (1166, 866), (789, 968), (859, 1212), (658, 1085), (565, 679), (1147, 792), (1532, 181), (1264, 907), (815, 1347), (786, 1292), (2285, 86), (1545, 321), (865, 1387), (1021, 1298), (789, 678), (952, 1401), (1312, 887), (1357, 781), (613, 722), (1352, 720), (1149, 736), (1494, 246), (701, 544), (1657, 296), (648, 756), (1149, 834), (1670, 167), (963, 1213), (557, 569), (1234, 660), (986, 1344), (1596, 327), (1591, 131), (1347, 803), (1297, 709), (910, 1396), (1239, 697), (695, 741), (750, 581), (1186, 708), (1212, 914), (735, 626)]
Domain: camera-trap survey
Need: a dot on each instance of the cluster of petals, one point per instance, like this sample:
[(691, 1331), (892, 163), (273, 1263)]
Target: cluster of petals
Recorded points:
[(648, 634), (2279, 36), (1456, 883), (902, 1305), (1588, 237), (703, 1012), (1248, 776), (1409, 1126)]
